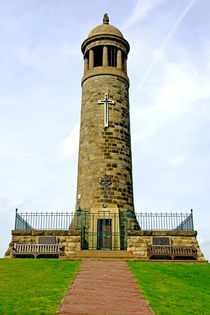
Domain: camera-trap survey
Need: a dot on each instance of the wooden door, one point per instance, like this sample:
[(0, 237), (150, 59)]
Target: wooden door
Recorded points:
[(104, 234)]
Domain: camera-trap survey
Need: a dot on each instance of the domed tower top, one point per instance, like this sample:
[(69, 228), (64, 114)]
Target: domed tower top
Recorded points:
[(105, 28), (105, 51)]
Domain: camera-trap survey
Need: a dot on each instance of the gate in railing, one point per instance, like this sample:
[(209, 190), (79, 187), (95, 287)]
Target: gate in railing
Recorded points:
[(106, 231), (103, 230)]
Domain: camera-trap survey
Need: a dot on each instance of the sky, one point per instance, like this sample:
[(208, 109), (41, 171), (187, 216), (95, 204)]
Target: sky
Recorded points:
[(41, 66)]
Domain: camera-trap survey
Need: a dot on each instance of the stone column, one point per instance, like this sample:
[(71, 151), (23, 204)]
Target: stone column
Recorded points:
[(125, 65), (91, 59), (119, 59), (105, 56), (86, 65)]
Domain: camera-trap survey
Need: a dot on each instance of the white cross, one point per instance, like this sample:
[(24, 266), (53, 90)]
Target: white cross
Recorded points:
[(106, 103)]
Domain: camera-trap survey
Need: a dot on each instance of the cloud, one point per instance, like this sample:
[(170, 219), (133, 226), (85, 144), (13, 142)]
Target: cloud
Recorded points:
[(43, 57), (159, 52), (141, 10), (69, 50), (35, 58), (204, 241), (182, 90), (70, 146), (207, 55), (178, 160)]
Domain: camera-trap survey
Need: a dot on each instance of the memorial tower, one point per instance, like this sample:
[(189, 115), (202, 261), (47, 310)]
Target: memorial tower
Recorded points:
[(105, 218), (104, 181)]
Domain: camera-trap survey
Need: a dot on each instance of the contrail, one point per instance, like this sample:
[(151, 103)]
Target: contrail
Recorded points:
[(162, 46)]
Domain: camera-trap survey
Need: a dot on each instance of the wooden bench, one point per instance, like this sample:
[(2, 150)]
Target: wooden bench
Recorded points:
[(170, 251), (36, 250)]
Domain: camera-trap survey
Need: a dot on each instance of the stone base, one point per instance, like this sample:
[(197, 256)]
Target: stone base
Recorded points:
[(70, 240), (138, 240)]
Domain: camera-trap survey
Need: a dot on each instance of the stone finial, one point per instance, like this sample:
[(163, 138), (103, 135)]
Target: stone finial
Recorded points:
[(106, 19)]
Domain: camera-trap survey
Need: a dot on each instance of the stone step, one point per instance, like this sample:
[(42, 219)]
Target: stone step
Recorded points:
[(102, 254), (121, 256)]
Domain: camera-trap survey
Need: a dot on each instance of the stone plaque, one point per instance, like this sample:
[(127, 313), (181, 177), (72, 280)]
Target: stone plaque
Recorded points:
[(160, 241), (47, 240)]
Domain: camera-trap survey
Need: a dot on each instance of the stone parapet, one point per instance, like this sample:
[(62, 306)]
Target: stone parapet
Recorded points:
[(138, 241), (70, 240), (162, 233)]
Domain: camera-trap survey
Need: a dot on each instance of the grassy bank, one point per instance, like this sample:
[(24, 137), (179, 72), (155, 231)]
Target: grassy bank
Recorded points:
[(174, 288), (34, 286)]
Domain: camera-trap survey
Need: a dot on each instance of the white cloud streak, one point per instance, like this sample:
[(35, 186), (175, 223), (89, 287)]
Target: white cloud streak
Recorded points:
[(141, 10), (162, 46), (181, 92)]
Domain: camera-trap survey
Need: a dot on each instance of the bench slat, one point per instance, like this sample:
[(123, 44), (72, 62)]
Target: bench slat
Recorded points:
[(171, 251), (36, 249)]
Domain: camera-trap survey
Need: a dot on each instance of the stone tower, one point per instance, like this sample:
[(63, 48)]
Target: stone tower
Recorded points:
[(105, 165), (104, 184)]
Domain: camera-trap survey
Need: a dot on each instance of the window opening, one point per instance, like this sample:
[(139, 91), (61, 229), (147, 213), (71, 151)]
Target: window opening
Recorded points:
[(87, 55), (112, 56), (124, 59), (98, 53)]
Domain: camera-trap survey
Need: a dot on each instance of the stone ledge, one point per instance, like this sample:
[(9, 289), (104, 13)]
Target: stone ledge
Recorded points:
[(99, 71), (163, 233), (45, 233), (100, 37)]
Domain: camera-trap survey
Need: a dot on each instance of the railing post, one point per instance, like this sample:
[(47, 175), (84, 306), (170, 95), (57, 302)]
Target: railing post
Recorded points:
[(192, 219), (16, 210), (26, 223)]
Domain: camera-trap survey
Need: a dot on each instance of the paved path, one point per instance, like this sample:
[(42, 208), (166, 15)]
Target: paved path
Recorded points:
[(104, 287)]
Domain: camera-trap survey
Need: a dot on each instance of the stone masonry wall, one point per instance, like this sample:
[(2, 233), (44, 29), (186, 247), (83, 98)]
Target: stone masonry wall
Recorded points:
[(70, 240), (138, 240), (105, 151)]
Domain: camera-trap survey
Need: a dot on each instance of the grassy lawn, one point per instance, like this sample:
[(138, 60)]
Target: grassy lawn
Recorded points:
[(34, 286), (174, 288)]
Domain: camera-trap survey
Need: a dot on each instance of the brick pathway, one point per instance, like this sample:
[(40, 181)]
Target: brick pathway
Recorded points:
[(104, 287)]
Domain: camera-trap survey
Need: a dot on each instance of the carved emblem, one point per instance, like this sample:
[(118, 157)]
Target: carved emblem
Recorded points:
[(105, 181)]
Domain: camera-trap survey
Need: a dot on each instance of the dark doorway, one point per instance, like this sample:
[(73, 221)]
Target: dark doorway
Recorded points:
[(104, 234)]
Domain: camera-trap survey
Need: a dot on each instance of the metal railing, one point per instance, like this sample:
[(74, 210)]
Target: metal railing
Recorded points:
[(166, 221), (80, 219)]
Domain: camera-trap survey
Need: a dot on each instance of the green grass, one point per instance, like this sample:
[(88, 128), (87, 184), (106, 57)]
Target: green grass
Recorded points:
[(37, 286), (174, 288), (34, 286)]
